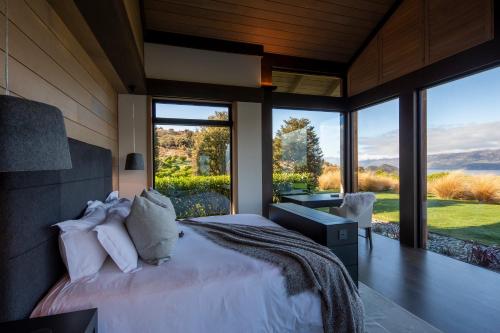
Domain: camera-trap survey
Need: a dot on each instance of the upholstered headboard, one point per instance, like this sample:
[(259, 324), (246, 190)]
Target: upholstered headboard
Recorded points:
[(30, 202)]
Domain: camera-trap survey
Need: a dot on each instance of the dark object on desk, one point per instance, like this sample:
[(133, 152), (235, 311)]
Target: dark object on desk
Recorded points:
[(84, 321), (337, 233), (314, 200)]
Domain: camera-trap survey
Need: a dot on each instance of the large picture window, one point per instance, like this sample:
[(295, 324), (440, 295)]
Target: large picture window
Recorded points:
[(307, 150), (463, 168), (192, 156), (378, 163)]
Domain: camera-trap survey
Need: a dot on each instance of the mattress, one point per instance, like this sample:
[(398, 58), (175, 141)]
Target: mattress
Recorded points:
[(203, 288)]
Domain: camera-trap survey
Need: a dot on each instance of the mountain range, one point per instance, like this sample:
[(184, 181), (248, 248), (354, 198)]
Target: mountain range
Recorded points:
[(474, 160)]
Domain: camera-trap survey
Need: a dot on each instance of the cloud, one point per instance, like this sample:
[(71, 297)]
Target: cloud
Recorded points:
[(385, 145), (441, 140), (455, 139)]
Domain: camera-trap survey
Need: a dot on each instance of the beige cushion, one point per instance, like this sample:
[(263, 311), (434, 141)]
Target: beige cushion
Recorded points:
[(153, 230), (159, 199)]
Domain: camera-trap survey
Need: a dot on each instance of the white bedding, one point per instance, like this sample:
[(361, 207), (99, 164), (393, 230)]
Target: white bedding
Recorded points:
[(203, 288)]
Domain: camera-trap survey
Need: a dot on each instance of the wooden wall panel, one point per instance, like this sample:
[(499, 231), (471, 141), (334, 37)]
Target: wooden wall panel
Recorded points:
[(402, 41), (420, 33), (365, 72), (47, 64), (455, 26)]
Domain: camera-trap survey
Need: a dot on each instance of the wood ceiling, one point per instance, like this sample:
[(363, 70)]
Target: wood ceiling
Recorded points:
[(319, 29)]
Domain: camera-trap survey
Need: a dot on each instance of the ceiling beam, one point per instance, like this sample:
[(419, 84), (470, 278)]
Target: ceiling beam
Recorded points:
[(202, 43), (109, 22), (203, 91), (305, 65), (309, 102)]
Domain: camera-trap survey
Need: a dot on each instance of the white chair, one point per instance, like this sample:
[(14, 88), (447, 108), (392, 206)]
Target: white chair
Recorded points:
[(358, 207)]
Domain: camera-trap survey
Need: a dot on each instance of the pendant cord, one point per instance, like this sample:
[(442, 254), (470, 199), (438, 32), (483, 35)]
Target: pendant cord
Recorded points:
[(133, 124), (6, 72)]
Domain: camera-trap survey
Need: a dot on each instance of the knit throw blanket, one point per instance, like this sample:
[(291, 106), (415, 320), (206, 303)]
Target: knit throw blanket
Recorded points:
[(305, 265)]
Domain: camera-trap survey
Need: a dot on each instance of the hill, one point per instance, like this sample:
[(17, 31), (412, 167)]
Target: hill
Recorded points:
[(474, 160)]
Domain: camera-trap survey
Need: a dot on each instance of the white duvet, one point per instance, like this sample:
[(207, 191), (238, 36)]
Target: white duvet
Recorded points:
[(203, 288)]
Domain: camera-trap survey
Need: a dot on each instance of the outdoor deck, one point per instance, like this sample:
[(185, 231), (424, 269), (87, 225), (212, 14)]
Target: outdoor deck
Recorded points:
[(449, 294)]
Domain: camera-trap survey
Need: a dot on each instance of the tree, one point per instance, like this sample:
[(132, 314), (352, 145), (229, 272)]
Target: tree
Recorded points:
[(210, 147), (296, 148)]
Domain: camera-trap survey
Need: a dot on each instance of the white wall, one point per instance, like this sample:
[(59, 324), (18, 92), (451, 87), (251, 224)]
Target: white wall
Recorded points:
[(185, 64), (132, 182), (249, 163)]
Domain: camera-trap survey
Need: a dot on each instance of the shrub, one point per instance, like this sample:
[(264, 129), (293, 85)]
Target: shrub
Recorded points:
[(450, 186), (369, 181), (484, 188), (330, 180), (197, 195), (284, 182), (179, 186), (436, 175), (488, 257)]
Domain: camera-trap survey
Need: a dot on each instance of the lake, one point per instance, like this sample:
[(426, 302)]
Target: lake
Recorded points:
[(467, 172)]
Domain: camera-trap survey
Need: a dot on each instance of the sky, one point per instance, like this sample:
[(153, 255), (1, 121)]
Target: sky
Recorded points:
[(462, 115)]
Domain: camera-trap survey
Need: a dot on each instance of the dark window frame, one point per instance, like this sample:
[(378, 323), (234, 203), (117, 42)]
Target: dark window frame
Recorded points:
[(196, 122)]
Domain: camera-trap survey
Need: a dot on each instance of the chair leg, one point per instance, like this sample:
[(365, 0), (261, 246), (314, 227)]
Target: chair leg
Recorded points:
[(368, 232)]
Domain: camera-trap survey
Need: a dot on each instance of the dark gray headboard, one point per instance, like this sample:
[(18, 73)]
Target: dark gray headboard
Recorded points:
[(30, 202)]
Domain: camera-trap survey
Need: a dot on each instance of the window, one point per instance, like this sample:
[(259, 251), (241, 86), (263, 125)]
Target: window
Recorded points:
[(463, 168), (378, 163), (192, 156), (306, 152)]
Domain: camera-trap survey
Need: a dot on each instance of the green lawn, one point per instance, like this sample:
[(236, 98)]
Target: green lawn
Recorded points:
[(467, 220), (461, 219)]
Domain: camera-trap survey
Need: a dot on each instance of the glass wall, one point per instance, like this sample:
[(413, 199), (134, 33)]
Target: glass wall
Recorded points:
[(463, 168), (306, 152), (378, 163), (192, 157)]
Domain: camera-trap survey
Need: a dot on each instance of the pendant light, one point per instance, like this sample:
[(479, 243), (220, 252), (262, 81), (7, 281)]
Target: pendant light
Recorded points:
[(134, 161), (32, 134)]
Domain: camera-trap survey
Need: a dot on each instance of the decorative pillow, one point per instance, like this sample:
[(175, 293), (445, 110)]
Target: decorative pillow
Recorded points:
[(159, 199), (80, 250), (153, 230), (114, 237)]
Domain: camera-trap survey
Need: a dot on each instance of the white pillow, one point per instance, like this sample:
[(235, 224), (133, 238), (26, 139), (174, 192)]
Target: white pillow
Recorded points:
[(80, 250), (115, 239), (111, 200)]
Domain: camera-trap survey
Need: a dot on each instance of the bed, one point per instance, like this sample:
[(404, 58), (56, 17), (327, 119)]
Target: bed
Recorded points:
[(203, 288)]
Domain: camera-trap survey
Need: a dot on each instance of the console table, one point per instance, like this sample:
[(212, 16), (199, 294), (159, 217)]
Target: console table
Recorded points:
[(337, 233)]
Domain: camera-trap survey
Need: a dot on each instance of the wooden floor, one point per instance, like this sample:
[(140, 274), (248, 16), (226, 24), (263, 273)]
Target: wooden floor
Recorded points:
[(449, 294)]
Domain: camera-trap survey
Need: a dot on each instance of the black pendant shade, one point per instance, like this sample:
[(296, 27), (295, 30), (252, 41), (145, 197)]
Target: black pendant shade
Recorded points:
[(134, 161), (32, 136)]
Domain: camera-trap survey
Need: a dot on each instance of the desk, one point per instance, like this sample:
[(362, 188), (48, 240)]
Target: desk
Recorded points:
[(315, 200)]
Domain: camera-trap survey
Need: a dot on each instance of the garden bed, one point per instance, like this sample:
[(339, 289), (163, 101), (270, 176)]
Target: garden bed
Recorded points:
[(466, 251)]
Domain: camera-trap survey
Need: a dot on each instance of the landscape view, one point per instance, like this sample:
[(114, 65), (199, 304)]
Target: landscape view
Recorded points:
[(192, 164)]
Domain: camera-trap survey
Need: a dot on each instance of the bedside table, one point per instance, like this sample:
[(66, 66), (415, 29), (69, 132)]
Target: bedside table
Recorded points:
[(339, 234), (84, 321)]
